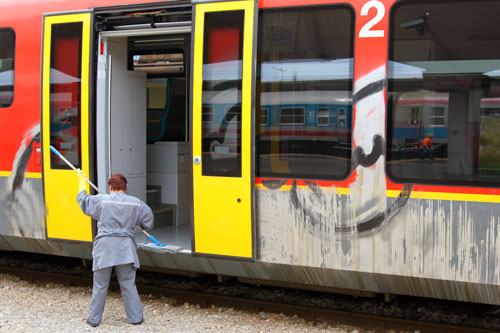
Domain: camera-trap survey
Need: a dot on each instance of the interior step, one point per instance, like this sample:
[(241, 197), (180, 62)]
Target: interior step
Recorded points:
[(153, 196), (165, 215)]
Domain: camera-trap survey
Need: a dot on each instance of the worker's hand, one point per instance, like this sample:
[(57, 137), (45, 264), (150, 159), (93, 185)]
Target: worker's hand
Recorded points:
[(82, 186), (81, 174)]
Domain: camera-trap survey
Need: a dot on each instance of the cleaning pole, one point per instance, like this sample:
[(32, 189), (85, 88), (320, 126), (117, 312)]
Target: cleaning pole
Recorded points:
[(95, 187), (153, 239), (71, 166)]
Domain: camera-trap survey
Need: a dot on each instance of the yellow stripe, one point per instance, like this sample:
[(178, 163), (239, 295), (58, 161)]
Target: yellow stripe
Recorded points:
[(26, 175), (449, 196)]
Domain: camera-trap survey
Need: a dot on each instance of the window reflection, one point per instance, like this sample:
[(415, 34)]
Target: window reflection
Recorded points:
[(65, 91), (443, 84), (221, 96), (304, 79), (7, 51)]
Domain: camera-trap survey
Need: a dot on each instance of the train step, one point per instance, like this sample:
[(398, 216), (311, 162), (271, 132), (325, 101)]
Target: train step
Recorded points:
[(153, 195), (165, 215)]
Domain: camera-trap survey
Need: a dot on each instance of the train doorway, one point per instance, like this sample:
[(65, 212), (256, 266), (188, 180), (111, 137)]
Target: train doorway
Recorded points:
[(177, 122), (65, 121), (142, 98)]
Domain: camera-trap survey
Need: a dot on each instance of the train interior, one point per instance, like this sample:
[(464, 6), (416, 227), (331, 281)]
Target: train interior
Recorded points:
[(142, 79)]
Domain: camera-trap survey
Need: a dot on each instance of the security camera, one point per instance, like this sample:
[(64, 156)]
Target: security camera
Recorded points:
[(412, 24), (419, 24)]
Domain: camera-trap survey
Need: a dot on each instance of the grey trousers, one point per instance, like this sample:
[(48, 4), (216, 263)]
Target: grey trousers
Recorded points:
[(126, 278)]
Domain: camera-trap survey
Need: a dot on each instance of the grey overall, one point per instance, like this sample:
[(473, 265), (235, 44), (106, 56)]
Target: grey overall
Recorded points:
[(117, 216)]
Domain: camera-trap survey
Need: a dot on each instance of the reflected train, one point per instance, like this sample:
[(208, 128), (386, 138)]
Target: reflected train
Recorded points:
[(313, 118), (274, 140)]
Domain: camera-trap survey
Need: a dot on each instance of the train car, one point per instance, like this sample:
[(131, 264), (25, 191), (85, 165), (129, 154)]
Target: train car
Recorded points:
[(262, 134)]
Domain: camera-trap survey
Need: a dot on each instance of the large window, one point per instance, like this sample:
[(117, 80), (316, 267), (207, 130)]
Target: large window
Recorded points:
[(444, 92), (304, 69), (7, 52)]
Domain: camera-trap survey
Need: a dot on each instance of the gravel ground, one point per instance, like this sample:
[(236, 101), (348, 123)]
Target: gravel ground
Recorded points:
[(29, 307)]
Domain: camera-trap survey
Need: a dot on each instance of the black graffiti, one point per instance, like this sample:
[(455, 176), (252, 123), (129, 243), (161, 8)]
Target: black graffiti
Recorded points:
[(379, 219), (22, 164), (360, 227), (382, 217), (273, 184), (370, 89), (360, 158), (308, 214)]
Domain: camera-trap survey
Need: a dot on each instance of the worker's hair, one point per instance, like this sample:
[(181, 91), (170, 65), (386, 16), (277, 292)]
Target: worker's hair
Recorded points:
[(117, 182)]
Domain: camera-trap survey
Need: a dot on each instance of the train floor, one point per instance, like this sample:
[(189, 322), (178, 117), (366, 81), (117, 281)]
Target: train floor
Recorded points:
[(171, 235)]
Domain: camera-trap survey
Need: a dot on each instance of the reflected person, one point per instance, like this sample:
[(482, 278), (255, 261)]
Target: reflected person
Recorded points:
[(426, 148)]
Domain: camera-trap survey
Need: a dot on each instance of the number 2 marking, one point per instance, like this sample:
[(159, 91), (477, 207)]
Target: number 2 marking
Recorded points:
[(365, 31)]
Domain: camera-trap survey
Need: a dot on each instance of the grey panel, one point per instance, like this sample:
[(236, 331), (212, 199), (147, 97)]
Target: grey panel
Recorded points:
[(169, 157), (168, 167), (22, 211), (421, 239), (128, 120)]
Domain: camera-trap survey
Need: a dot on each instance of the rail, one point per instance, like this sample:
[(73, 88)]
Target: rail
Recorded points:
[(364, 321)]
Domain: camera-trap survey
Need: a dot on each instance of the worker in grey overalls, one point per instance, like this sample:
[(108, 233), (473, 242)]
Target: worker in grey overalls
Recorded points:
[(118, 215)]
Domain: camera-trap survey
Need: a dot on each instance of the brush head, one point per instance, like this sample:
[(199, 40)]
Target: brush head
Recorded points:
[(152, 247)]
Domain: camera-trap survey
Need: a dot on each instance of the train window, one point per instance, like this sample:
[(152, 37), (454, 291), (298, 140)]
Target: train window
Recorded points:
[(292, 116), (7, 51), (322, 116), (162, 58), (65, 97), (156, 64), (222, 69), (207, 114), (304, 69), (264, 113), (342, 117), (444, 66), (437, 117), (414, 115)]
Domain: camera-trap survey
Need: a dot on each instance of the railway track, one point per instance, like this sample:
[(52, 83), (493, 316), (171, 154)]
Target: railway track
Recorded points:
[(364, 321)]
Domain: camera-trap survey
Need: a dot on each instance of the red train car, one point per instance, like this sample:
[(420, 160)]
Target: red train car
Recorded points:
[(173, 94)]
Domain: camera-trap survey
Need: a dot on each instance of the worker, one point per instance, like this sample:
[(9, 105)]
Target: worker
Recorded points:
[(426, 148), (118, 215)]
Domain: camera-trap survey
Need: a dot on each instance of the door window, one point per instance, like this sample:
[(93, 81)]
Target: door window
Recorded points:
[(65, 87), (222, 71)]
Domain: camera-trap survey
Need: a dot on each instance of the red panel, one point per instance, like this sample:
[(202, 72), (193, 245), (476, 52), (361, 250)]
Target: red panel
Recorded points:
[(224, 44), (323, 183), (66, 55), (25, 17)]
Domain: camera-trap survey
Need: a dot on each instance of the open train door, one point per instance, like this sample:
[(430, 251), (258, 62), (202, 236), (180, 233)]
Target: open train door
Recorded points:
[(222, 130), (65, 121)]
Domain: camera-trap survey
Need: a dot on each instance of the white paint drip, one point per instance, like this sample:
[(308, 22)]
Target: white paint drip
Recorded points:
[(425, 239)]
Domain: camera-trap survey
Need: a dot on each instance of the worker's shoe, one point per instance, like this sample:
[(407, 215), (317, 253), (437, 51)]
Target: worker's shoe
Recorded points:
[(138, 323), (91, 323)]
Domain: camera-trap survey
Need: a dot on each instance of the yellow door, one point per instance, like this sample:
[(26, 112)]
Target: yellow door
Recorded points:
[(222, 138), (65, 121)]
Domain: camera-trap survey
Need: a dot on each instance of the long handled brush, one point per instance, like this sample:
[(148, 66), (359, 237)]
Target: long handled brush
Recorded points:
[(55, 151)]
